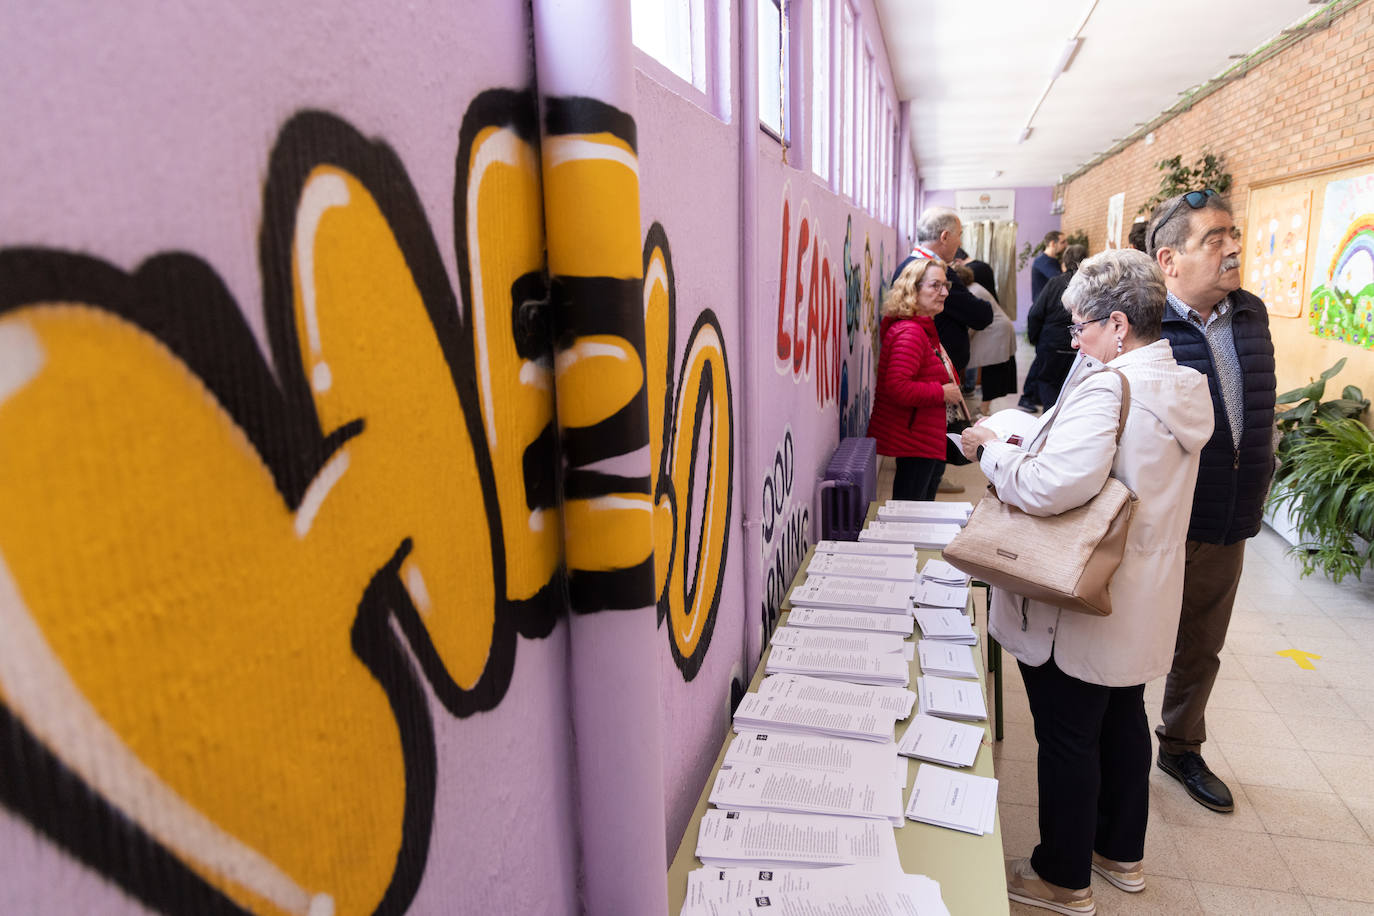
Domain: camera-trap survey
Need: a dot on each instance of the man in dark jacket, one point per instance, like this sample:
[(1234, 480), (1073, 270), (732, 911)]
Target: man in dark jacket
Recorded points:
[(937, 236), (1222, 331), (1047, 327), (1046, 264)]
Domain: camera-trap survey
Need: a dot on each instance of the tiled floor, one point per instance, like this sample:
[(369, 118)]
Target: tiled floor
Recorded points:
[(1295, 744)]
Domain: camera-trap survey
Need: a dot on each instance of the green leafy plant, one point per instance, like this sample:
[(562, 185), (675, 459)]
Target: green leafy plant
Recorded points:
[(1077, 237), (1325, 477), (1178, 178)]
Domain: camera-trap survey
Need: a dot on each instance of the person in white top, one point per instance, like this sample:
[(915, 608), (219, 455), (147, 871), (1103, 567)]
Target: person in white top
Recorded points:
[(1085, 675)]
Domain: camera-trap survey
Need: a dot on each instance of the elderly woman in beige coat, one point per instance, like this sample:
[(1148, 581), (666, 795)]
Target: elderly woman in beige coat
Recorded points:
[(1085, 675)]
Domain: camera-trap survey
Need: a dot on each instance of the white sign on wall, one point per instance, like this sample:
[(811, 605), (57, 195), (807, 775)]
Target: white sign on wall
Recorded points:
[(1116, 206), (976, 205)]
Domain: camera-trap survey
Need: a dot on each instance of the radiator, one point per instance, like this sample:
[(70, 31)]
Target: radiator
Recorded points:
[(849, 487)]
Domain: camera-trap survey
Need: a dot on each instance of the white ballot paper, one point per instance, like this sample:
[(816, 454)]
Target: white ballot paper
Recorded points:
[(941, 741), (942, 572), (855, 793), (810, 752), (873, 890), (799, 840), (913, 510), (953, 699), (848, 593), (931, 536), (757, 712), (869, 548), (946, 659), (885, 669), (857, 621), (960, 801), (896, 700), (847, 890), (929, 593), (945, 623), (838, 640), (1012, 422), (863, 566)]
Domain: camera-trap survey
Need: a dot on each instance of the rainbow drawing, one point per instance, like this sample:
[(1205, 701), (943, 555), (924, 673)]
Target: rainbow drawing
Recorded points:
[(1341, 300)]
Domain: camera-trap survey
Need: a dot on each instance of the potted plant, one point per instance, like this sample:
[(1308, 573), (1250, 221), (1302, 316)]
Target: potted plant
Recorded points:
[(1325, 478)]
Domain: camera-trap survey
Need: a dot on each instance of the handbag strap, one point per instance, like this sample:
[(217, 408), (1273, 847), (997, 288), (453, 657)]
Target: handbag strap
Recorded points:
[(1121, 419)]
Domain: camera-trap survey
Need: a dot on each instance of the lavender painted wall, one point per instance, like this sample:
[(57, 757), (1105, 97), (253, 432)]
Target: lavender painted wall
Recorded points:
[(1033, 220)]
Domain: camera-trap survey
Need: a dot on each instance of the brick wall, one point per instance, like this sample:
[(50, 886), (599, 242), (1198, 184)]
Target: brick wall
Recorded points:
[(1309, 107)]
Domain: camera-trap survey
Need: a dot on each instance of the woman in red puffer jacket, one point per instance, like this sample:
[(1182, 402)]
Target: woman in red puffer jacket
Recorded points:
[(913, 388)]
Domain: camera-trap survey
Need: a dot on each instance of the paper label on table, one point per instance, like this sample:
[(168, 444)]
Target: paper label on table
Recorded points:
[(889, 668), (738, 837), (856, 793), (943, 696), (896, 700), (929, 593), (871, 548), (858, 621), (960, 801), (942, 741), (809, 752), (931, 536), (942, 572), (837, 640), (863, 566), (846, 592), (946, 659), (756, 711)]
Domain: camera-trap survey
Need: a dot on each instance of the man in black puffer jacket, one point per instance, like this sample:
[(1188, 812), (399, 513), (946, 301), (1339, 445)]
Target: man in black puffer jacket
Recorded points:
[(1222, 331)]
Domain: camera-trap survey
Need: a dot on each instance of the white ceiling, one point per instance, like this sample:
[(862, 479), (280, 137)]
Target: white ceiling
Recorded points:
[(975, 70)]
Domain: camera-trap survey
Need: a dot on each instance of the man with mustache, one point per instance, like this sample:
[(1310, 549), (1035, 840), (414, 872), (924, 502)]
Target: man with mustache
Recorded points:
[(1223, 332)]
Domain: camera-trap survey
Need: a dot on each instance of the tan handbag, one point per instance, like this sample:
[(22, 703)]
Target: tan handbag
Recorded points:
[(1065, 560)]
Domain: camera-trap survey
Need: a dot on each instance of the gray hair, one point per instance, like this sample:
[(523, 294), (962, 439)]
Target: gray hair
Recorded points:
[(1174, 233), (1120, 280), (934, 221)]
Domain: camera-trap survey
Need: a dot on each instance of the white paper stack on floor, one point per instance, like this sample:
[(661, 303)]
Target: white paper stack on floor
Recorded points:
[(844, 890), (757, 712), (941, 572), (953, 699), (945, 659), (838, 640), (912, 510), (960, 801), (856, 621), (945, 624), (763, 838), (929, 593), (897, 700), (887, 669), (847, 890), (867, 548), (929, 536), (859, 791), (932, 738), (847, 593), (863, 566)]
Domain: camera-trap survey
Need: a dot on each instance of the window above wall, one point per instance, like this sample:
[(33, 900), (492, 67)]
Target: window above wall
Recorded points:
[(682, 44), (773, 67)]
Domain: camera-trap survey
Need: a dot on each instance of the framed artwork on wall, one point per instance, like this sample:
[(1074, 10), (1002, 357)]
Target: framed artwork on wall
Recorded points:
[(1275, 248)]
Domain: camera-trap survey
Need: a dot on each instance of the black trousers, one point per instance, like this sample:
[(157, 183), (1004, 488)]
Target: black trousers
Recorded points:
[(1093, 773), (917, 478)]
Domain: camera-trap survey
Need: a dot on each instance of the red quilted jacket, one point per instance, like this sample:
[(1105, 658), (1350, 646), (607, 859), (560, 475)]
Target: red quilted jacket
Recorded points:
[(908, 418)]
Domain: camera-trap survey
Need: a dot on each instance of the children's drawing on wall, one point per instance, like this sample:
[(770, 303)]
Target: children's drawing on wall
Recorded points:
[(1276, 250), (808, 331), (1342, 296)]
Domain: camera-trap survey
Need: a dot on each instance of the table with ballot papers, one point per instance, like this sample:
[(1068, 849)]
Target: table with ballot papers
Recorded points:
[(857, 776)]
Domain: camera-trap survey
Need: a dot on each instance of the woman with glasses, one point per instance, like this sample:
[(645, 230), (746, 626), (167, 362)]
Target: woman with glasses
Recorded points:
[(1085, 675), (913, 383)]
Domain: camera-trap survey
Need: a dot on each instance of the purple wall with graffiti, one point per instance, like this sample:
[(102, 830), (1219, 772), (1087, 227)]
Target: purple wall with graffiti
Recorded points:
[(382, 533)]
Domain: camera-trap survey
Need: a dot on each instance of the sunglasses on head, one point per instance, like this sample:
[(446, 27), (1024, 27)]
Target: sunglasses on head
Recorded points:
[(1194, 199)]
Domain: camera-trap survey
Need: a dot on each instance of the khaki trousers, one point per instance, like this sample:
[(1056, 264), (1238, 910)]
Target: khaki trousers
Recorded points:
[(1211, 573)]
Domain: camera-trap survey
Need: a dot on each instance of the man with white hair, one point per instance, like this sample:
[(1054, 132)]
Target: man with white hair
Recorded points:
[(1222, 331)]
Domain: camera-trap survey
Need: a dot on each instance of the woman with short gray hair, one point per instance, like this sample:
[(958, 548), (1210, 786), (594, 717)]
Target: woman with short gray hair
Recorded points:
[(1085, 675)]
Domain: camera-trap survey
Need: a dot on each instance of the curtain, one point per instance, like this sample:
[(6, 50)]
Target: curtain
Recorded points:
[(995, 243)]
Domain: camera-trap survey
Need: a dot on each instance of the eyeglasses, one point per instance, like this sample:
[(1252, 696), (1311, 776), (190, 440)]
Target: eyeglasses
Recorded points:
[(936, 284), (1194, 199), (1076, 329)]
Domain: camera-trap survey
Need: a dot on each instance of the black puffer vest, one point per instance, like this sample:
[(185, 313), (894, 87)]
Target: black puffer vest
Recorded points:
[(1232, 482)]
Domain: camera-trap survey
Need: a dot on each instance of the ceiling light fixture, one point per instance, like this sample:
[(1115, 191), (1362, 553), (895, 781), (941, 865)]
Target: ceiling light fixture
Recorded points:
[(1066, 56), (1024, 135)]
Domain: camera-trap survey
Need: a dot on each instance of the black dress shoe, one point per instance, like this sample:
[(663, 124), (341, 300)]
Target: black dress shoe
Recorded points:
[(1202, 784)]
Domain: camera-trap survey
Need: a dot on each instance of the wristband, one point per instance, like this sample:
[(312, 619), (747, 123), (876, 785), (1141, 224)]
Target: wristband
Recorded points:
[(978, 453)]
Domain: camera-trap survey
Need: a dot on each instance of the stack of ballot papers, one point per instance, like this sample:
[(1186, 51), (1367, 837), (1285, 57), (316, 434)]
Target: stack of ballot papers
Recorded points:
[(844, 781), (867, 548), (941, 741), (943, 573), (897, 700), (856, 621), (960, 801), (863, 566), (928, 535), (912, 510), (771, 838), (884, 669), (839, 640), (760, 712), (845, 890), (848, 593), (945, 659), (929, 593), (953, 699), (945, 624)]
